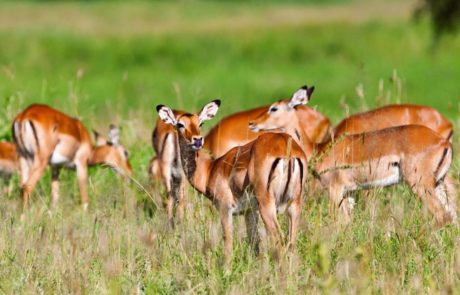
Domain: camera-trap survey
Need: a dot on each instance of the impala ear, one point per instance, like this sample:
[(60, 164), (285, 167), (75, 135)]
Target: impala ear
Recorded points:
[(114, 135), (100, 140), (301, 96), (209, 111), (166, 115)]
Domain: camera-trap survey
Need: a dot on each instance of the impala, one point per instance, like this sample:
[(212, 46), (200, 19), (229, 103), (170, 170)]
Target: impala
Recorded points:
[(230, 132), (413, 153), (233, 130), (166, 166), (45, 136), (392, 116), (273, 168), (8, 163)]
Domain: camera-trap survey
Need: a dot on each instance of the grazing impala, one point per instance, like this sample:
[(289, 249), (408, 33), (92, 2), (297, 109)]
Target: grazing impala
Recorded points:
[(45, 136), (233, 130), (273, 167), (8, 163), (392, 116), (413, 153), (230, 132)]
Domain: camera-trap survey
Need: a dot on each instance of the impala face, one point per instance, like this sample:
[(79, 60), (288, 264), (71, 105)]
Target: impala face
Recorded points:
[(188, 125), (114, 154), (280, 114)]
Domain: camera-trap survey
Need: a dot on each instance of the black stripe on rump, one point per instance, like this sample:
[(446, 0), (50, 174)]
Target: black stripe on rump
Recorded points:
[(272, 169), (34, 131)]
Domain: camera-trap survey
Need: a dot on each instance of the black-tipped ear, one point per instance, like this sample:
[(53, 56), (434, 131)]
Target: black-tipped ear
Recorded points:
[(209, 111), (304, 87), (159, 107), (310, 91)]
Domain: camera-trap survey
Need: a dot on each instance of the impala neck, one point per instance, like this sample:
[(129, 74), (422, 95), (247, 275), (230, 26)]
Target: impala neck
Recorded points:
[(297, 132), (98, 155), (196, 165)]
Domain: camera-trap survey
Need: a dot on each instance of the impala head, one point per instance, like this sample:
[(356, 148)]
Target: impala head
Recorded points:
[(111, 152), (280, 113), (188, 125)]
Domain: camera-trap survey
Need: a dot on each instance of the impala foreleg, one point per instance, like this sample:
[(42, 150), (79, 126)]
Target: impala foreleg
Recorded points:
[(82, 175), (226, 218), (339, 201)]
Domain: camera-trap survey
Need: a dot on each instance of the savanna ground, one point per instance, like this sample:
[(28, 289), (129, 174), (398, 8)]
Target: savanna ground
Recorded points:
[(113, 62)]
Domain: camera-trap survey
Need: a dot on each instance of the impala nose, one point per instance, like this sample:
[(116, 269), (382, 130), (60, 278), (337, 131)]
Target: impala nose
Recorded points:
[(197, 142)]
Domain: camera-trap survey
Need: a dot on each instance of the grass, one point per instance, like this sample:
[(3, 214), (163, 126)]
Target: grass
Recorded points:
[(183, 55)]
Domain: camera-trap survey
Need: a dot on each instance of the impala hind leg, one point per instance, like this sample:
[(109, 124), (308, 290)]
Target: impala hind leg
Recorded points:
[(269, 217), (294, 212), (251, 218), (55, 184), (30, 178), (435, 198)]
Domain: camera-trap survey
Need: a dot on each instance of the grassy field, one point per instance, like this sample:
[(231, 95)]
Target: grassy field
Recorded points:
[(113, 62)]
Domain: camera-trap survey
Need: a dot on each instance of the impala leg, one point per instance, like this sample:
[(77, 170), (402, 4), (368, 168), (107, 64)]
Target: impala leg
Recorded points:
[(435, 198), (226, 219), (55, 184), (169, 185), (251, 218), (181, 199), (8, 185), (82, 175), (338, 201), (293, 213), (36, 172), (268, 214)]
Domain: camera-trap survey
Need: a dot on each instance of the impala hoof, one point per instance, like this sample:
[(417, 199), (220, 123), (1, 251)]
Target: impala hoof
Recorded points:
[(85, 207)]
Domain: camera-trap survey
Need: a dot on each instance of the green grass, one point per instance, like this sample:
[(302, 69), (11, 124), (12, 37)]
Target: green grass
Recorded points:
[(113, 62)]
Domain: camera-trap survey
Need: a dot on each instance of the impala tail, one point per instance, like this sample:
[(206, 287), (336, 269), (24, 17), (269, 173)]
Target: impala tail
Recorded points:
[(26, 138), (284, 174), (444, 164)]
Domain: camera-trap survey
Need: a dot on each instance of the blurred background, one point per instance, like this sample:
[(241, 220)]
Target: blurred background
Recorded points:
[(114, 61)]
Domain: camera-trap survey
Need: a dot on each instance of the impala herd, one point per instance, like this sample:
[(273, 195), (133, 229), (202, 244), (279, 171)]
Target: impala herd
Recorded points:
[(252, 162)]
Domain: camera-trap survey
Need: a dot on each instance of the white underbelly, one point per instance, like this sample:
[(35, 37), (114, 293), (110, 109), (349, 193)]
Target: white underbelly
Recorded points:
[(388, 180), (60, 159)]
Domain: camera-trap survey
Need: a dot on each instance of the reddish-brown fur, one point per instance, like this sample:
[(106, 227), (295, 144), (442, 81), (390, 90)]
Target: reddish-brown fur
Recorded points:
[(272, 167), (45, 136), (395, 115), (412, 153), (233, 130), (8, 163)]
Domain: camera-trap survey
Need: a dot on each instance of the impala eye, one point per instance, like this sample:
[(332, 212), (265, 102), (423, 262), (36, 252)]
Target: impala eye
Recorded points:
[(273, 109), (180, 125), (126, 154)]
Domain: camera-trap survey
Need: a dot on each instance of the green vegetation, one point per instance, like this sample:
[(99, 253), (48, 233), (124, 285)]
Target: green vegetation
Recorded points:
[(113, 62)]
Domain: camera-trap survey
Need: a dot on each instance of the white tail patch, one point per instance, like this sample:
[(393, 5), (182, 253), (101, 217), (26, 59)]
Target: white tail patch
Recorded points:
[(28, 137)]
